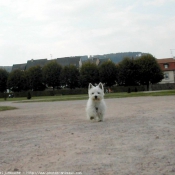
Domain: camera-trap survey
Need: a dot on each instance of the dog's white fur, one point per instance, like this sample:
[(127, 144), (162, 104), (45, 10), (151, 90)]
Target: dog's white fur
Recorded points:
[(96, 106)]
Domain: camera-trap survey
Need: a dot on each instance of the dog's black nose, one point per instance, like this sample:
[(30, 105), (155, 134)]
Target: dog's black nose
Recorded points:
[(95, 97)]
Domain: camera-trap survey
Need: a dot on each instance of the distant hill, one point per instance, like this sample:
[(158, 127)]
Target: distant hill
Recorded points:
[(7, 68), (117, 57)]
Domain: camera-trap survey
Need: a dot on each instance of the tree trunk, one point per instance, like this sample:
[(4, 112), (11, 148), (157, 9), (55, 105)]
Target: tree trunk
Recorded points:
[(147, 86)]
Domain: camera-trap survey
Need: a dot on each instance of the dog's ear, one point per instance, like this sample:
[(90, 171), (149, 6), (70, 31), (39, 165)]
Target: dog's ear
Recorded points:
[(100, 85), (90, 86)]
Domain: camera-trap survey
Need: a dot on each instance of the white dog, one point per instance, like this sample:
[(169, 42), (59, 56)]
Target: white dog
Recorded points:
[(96, 106)]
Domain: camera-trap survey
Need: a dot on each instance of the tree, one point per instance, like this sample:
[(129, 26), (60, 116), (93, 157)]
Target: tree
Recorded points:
[(149, 70), (89, 74), (108, 73), (51, 74), (128, 72), (3, 80), (35, 80), (15, 81), (26, 85), (70, 76)]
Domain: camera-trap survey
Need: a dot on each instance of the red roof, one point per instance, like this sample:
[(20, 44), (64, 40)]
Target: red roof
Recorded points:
[(170, 63), (166, 60)]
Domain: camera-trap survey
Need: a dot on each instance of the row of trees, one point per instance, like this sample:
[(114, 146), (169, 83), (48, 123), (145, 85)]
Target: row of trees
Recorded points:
[(130, 71)]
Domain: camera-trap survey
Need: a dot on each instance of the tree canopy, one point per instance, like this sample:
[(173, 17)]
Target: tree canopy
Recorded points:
[(70, 77), (3, 80), (149, 70), (15, 81), (108, 73), (34, 76), (127, 72), (51, 74), (89, 74)]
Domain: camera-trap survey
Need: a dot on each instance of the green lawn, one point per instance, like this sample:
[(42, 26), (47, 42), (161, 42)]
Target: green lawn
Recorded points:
[(141, 94), (4, 108), (85, 96)]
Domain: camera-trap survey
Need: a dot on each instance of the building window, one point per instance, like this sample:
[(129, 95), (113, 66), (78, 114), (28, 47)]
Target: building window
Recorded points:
[(166, 75), (166, 66)]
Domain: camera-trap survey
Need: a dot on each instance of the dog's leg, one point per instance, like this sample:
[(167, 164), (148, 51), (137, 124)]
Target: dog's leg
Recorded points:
[(100, 117), (91, 118)]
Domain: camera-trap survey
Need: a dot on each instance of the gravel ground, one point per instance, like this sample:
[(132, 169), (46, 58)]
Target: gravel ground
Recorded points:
[(137, 137)]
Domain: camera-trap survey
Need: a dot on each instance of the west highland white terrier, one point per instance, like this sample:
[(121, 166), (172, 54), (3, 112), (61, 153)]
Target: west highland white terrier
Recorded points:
[(96, 106)]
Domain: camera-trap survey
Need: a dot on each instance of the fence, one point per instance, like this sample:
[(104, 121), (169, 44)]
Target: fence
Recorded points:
[(167, 86)]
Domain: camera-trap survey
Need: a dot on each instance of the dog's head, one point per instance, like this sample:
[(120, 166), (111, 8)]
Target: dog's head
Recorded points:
[(96, 92)]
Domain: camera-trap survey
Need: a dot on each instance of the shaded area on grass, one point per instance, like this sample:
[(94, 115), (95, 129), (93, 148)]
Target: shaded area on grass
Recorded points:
[(5, 108)]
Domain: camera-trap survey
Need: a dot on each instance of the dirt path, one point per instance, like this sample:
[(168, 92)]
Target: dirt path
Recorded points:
[(136, 138)]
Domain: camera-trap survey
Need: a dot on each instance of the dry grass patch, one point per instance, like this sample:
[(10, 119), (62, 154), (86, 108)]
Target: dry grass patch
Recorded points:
[(5, 108)]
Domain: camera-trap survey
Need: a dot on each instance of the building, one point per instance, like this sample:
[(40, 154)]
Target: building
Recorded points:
[(7, 68), (32, 63), (19, 66), (66, 61), (29, 64), (168, 67), (96, 60)]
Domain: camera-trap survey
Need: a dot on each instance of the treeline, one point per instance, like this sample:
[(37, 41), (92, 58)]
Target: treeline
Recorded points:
[(129, 72)]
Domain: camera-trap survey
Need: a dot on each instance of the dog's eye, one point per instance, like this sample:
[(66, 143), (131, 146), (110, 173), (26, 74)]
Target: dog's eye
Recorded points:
[(92, 93), (98, 92)]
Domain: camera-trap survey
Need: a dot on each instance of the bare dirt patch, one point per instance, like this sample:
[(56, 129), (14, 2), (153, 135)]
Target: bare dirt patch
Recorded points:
[(137, 137)]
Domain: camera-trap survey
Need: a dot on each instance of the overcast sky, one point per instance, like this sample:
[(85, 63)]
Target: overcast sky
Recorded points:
[(37, 29)]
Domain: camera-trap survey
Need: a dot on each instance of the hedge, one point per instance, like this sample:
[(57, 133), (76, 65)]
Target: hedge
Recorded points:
[(127, 88), (85, 91), (47, 93)]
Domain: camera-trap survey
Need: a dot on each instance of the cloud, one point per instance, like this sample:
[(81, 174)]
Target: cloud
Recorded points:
[(36, 29), (157, 2)]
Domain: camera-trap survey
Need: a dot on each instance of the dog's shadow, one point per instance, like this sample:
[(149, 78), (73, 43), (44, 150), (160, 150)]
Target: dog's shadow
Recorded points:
[(106, 120)]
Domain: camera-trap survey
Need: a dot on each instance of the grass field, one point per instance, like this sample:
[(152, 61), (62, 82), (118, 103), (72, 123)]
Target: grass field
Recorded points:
[(84, 96)]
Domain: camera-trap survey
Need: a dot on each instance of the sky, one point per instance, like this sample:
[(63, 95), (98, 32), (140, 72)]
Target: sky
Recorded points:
[(37, 29)]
